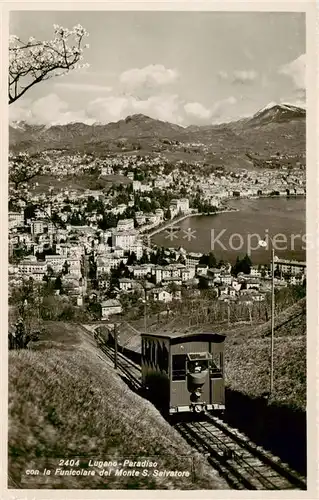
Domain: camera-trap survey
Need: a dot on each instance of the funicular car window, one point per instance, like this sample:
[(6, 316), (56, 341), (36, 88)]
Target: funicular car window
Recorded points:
[(154, 353), (147, 350), (179, 367), (165, 358), (150, 351), (216, 365), (143, 349), (159, 356)]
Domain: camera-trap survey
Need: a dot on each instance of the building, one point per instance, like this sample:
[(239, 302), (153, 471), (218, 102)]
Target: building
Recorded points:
[(35, 269), (37, 226), (254, 271), (159, 294), (159, 212), (56, 262), (192, 259), (120, 209), (293, 267), (202, 269), (16, 219), (172, 280), (187, 274), (253, 284), (179, 206), (104, 265), (153, 219), (124, 239), (107, 170), (137, 248), (226, 279), (62, 249), (125, 284), (141, 271), (137, 185), (171, 271), (183, 205), (125, 225), (223, 290), (74, 264), (109, 307), (140, 218)]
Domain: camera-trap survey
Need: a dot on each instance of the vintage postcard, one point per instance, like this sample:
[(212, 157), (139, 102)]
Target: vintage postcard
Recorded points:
[(160, 268)]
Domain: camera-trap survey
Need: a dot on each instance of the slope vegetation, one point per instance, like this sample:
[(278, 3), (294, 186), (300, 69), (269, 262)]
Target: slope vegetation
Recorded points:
[(71, 403)]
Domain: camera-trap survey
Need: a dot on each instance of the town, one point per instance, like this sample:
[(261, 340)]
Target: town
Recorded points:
[(96, 242)]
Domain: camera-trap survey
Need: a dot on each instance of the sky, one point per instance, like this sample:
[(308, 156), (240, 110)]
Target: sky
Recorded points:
[(182, 67)]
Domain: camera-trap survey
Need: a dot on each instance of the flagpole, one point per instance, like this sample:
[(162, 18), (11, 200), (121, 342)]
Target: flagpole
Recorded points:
[(272, 320), (263, 244)]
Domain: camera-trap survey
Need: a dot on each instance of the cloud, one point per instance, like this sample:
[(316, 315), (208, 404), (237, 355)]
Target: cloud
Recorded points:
[(244, 76), (84, 87), (113, 108), (48, 110), (222, 75), (301, 103), (197, 110), (201, 114), (154, 75), (296, 70), (238, 76), (52, 110), (219, 108)]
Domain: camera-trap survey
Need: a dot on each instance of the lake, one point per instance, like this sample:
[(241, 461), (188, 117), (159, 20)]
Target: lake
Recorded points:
[(234, 233)]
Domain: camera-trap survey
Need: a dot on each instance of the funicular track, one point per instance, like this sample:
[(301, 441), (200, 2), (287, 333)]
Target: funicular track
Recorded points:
[(240, 461), (131, 371)]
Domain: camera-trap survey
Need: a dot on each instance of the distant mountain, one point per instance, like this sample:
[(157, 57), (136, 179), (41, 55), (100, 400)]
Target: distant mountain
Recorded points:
[(281, 126), (276, 113), (76, 134)]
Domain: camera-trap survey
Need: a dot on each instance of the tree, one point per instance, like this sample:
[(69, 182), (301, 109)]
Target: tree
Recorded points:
[(22, 169), (168, 214), (208, 260), (25, 300), (236, 267), (202, 283), (242, 266), (33, 61), (246, 264), (66, 267), (144, 259), (58, 284), (21, 338), (131, 259), (181, 260), (212, 262)]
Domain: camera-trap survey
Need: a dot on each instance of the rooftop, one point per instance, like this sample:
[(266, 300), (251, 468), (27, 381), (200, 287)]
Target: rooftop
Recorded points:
[(111, 303), (178, 335)]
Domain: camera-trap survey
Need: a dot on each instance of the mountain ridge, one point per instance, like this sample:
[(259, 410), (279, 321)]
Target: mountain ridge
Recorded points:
[(144, 131)]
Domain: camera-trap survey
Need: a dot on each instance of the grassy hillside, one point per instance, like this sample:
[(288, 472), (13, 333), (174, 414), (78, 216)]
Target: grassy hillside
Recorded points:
[(248, 358), (71, 403)]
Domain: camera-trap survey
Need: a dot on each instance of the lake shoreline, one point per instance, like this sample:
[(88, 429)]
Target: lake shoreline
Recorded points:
[(173, 222), (237, 228)]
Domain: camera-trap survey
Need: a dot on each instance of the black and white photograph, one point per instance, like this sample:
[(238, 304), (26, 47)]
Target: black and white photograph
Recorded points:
[(157, 250)]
